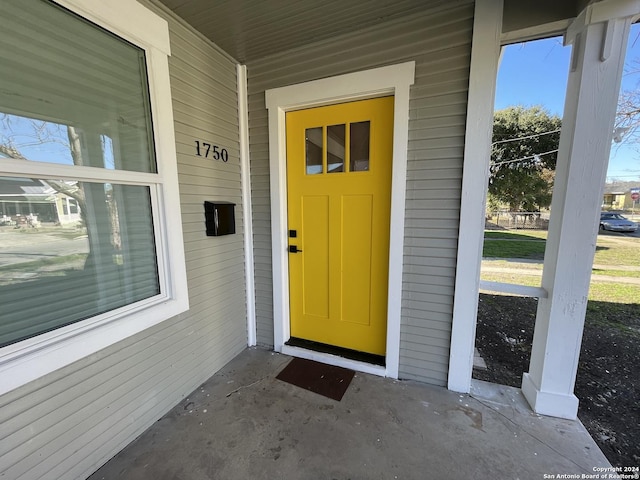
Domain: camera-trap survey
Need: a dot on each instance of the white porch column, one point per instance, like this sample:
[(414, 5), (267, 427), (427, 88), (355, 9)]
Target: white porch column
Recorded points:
[(599, 38), (485, 56)]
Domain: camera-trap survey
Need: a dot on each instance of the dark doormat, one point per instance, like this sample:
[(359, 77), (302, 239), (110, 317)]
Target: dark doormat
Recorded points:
[(316, 377)]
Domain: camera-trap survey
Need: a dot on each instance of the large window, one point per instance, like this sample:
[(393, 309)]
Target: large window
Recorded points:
[(86, 188)]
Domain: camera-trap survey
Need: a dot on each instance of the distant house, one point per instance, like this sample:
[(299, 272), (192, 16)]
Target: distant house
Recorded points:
[(617, 196), (613, 200), (21, 197), (25, 197), (67, 209)]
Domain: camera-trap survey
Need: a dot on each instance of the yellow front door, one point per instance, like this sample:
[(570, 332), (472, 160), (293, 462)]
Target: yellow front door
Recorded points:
[(339, 196)]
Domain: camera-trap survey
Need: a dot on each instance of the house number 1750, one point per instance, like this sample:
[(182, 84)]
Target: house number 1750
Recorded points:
[(208, 150)]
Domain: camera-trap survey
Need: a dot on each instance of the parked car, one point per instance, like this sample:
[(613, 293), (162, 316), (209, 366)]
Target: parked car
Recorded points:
[(616, 223)]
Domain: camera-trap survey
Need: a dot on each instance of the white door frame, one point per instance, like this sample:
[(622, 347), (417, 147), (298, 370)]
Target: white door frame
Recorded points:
[(391, 80)]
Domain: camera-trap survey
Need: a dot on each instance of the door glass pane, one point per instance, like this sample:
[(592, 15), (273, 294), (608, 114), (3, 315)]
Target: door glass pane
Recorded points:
[(70, 250), (72, 94), (335, 148), (359, 148), (313, 150)]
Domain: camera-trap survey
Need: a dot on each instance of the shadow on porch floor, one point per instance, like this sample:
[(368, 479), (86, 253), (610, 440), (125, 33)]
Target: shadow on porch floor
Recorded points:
[(244, 424)]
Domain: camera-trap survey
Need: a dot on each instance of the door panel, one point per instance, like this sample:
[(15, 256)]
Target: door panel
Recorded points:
[(357, 230), (315, 275), (339, 189)]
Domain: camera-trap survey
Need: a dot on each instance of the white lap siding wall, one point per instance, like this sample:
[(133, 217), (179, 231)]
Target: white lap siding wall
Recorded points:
[(439, 41), (65, 425)]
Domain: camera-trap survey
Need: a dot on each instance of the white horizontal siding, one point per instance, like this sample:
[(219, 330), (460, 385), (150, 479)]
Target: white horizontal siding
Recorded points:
[(439, 41), (67, 424)]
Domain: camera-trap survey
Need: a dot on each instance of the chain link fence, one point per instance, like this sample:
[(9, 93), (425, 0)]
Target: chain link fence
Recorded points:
[(504, 220)]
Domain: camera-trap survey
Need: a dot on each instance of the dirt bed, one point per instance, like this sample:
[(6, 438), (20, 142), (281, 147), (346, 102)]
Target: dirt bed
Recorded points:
[(608, 381)]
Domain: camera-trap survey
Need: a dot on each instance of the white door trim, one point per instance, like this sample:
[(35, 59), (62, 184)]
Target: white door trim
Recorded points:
[(391, 80)]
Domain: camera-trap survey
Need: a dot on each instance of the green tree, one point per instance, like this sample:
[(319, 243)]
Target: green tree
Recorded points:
[(523, 157)]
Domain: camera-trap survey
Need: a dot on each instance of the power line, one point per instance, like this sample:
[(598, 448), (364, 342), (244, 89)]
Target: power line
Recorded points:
[(525, 138), (532, 157)]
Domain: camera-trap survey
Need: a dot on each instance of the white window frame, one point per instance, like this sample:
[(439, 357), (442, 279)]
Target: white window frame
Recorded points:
[(30, 359)]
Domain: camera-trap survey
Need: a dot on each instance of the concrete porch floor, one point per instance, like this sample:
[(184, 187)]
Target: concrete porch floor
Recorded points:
[(243, 423)]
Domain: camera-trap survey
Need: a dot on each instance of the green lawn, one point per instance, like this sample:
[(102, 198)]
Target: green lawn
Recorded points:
[(614, 293), (613, 251), (44, 262), (599, 292), (69, 233), (610, 253), (616, 273), (516, 234), (515, 278), (514, 249), (530, 244)]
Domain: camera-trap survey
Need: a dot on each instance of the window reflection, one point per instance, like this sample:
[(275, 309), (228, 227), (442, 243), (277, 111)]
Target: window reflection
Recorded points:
[(359, 147), (335, 148), (313, 150), (72, 249), (335, 139), (23, 138), (47, 241)]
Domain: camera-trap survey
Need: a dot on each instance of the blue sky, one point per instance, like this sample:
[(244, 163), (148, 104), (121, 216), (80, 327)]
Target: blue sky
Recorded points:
[(535, 73)]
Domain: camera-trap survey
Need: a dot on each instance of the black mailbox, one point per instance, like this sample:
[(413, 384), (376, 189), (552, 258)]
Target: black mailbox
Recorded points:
[(220, 218)]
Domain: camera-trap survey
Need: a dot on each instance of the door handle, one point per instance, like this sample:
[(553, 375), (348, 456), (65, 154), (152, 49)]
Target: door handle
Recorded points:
[(294, 249)]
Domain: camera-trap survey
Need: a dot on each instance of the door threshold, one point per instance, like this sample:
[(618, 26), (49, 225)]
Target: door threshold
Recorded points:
[(338, 351), (335, 360)]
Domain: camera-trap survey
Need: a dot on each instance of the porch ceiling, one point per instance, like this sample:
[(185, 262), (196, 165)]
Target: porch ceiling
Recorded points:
[(248, 30)]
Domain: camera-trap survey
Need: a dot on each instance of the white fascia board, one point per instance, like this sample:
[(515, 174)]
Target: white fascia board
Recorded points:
[(536, 32), (602, 12), (610, 9)]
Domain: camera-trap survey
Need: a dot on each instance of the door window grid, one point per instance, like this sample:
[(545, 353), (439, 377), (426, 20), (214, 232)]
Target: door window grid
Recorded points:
[(336, 149), (314, 150), (343, 148)]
